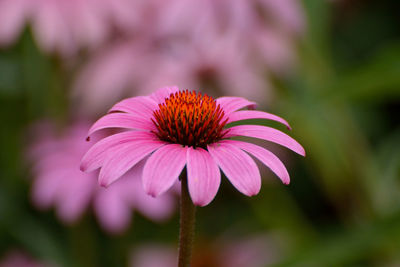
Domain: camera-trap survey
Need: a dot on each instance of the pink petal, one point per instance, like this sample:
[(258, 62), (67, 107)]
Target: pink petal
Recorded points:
[(96, 155), (52, 30), (74, 196), (161, 94), (121, 12), (230, 104), (46, 186), (275, 50), (204, 176), (288, 13), (102, 81), (265, 156), (154, 255), (87, 26), (13, 14), (163, 168), (266, 133), (255, 114), (113, 212), (141, 105), (239, 168), (157, 209), (122, 120), (123, 157)]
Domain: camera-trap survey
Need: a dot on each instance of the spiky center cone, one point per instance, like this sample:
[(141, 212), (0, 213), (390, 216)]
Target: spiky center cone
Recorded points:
[(189, 119)]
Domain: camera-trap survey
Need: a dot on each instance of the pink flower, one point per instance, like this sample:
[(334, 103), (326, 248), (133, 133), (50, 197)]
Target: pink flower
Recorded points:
[(15, 258), (154, 255), (64, 26), (58, 182), (250, 252), (224, 46), (170, 129)]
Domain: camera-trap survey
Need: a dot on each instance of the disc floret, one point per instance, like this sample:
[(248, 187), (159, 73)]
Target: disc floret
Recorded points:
[(190, 118)]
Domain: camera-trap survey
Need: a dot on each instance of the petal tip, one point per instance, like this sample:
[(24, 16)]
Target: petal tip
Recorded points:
[(253, 105), (285, 178), (150, 191), (253, 191), (200, 203), (252, 194), (103, 182), (300, 150), (83, 168), (152, 194)]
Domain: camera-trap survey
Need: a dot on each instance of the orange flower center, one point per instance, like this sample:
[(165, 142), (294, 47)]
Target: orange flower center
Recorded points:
[(189, 119)]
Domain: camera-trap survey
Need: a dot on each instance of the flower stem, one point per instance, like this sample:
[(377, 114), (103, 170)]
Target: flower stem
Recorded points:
[(186, 233)]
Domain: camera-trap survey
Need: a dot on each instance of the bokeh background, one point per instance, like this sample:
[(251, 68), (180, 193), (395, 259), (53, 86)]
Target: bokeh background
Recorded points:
[(331, 68)]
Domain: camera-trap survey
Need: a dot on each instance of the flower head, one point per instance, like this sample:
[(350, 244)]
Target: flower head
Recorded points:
[(171, 129), (59, 183), (189, 119)]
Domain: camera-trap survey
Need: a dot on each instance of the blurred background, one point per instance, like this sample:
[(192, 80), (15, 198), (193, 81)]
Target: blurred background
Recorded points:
[(331, 68)]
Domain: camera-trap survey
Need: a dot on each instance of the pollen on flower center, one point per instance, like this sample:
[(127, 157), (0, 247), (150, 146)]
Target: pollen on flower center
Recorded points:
[(190, 119)]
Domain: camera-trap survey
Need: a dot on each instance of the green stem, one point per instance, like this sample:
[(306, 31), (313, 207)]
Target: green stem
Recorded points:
[(186, 233)]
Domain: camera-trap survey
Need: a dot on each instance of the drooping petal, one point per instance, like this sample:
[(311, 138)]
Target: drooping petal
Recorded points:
[(163, 168), (230, 103), (96, 155), (103, 79), (13, 14), (162, 93), (46, 186), (51, 32), (204, 176), (121, 158), (255, 114), (113, 212), (122, 120), (265, 156), (239, 168), (74, 196), (157, 209), (140, 105), (266, 133)]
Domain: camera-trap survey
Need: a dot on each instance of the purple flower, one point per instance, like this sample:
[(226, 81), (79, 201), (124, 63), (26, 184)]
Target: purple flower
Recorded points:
[(253, 251), (64, 26), (170, 129), (16, 258), (59, 182), (221, 45)]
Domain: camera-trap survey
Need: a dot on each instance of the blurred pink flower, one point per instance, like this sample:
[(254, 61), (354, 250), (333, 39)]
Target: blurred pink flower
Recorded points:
[(209, 44), (64, 26), (259, 251), (170, 129), (154, 255), (59, 182), (15, 258), (251, 252)]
